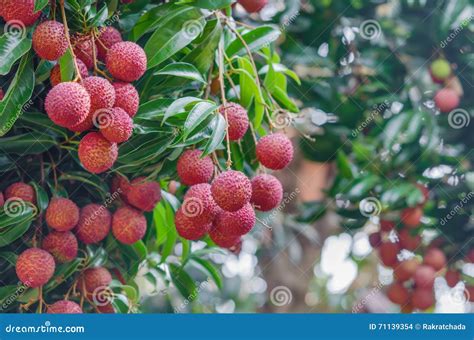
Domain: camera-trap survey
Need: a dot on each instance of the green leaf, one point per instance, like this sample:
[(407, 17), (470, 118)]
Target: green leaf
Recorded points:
[(218, 126), (15, 219), (182, 70), (178, 106), (254, 39), (27, 144), (213, 4), (42, 199), (67, 66), (40, 4), (63, 272), (197, 115), (210, 269), (183, 282), (12, 47)]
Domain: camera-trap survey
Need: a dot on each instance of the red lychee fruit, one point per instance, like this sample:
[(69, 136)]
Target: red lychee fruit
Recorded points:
[(49, 40), (188, 228), (409, 241), (55, 75), (199, 205), (68, 104), (120, 184), (398, 294), (101, 92), (62, 245), (64, 307), (128, 225), (96, 153), (231, 190), (144, 194), (106, 309), (236, 223), (388, 253), (24, 11), (34, 267), (94, 223), (375, 239), (470, 256), (114, 124), (222, 239), (469, 293), (238, 120), (435, 258), (440, 70), (411, 217), (386, 225), (422, 299), (253, 6), (2, 94), (446, 100), (267, 192), (126, 61), (424, 277), (406, 269), (126, 97), (452, 277), (193, 168), (2, 199), (108, 37), (94, 281), (62, 214), (22, 191), (84, 50), (275, 151)]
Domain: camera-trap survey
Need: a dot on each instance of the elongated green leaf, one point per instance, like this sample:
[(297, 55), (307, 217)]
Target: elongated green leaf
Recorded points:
[(213, 4), (40, 4), (218, 126), (178, 106), (182, 70), (197, 115), (12, 48), (255, 40), (210, 269), (27, 144)]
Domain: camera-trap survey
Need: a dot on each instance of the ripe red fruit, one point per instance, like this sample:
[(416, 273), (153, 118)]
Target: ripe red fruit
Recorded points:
[(435, 258), (223, 239), (275, 151), (398, 294), (267, 192), (2, 199), (126, 61), (422, 299), (128, 225), (446, 100), (49, 40), (108, 37), (237, 118), (469, 293), (106, 309), (62, 214), (34, 267), (199, 205), (375, 239), (22, 191), (236, 223), (188, 228), (409, 241), (96, 153), (452, 277), (101, 92), (114, 124), (405, 269), (144, 194), (62, 245), (253, 6), (126, 97), (64, 307), (68, 104), (424, 277), (192, 169), (388, 253), (2, 94), (94, 281), (23, 11), (231, 190), (411, 217), (84, 50), (120, 185), (55, 75), (386, 225), (94, 223), (470, 256)]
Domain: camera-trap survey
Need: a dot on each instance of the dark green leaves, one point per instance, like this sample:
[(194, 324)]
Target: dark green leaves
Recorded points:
[(13, 45), (254, 39), (15, 220), (182, 70)]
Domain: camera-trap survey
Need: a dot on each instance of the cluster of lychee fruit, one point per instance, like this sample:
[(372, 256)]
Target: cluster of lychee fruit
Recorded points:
[(447, 98), (253, 6)]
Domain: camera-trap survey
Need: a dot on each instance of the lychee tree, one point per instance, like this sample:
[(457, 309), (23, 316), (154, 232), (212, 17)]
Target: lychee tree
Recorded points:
[(129, 130)]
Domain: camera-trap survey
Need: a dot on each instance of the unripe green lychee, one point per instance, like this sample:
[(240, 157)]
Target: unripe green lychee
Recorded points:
[(193, 168), (62, 245), (144, 194), (23, 11), (424, 277), (94, 223), (267, 192), (64, 307), (398, 294), (411, 217), (94, 281), (275, 151), (35, 267), (231, 190), (236, 223), (114, 124), (62, 214), (223, 239), (126, 97), (126, 61), (22, 191), (55, 75), (108, 37), (199, 205), (128, 225), (188, 228), (422, 298), (96, 153), (84, 50), (446, 100), (238, 120), (253, 6), (440, 69), (435, 258), (49, 40)]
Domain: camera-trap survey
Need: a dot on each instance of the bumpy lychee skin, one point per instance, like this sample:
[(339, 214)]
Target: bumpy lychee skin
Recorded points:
[(120, 184), (108, 37), (143, 194), (440, 69), (96, 153), (275, 151), (231, 190), (114, 124), (94, 223), (236, 223), (35, 267), (22, 191), (23, 11), (126, 61), (192, 169), (55, 75), (398, 294), (101, 92), (199, 205), (64, 307), (405, 269), (411, 217), (424, 277), (128, 225), (446, 100), (94, 280), (422, 299), (188, 228), (267, 192), (83, 49), (238, 120), (253, 6), (388, 253), (68, 104), (435, 258), (408, 240), (62, 214), (49, 40), (223, 239), (126, 97), (62, 245)]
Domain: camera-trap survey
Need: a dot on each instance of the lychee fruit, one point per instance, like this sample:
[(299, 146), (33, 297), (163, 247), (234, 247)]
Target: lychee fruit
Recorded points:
[(375, 239), (440, 70), (101, 92), (128, 225), (405, 269), (267, 192), (193, 168), (409, 241), (144, 194), (2, 94), (435, 258), (222, 239), (106, 309), (108, 37), (422, 299), (55, 75), (236, 223), (231, 190), (411, 217), (94, 281), (21, 191), (126, 61), (120, 184), (84, 50), (237, 118), (62, 245), (452, 277), (64, 307), (94, 223), (2, 199), (49, 40), (388, 253), (126, 97), (24, 11), (424, 277), (34, 267), (386, 225), (398, 294), (446, 100), (253, 6), (114, 124), (96, 153), (199, 205), (188, 228), (62, 214), (68, 104), (275, 151)]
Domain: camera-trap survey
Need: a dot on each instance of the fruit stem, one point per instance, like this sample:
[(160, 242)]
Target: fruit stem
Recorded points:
[(40, 299), (224, 102), (68, 38), (209, 82)]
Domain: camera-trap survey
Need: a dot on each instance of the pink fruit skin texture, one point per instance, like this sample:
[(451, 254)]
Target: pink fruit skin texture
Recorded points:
[(275, 151), (96, 153), (446, 100), (189, 229), (267, 192), (62, 214), (231, 190), (238, 120), (126, 61), (236, 223), (64, 307), (35, 267), (49, 40), (192, 169), (128, 225), (126, 97)]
